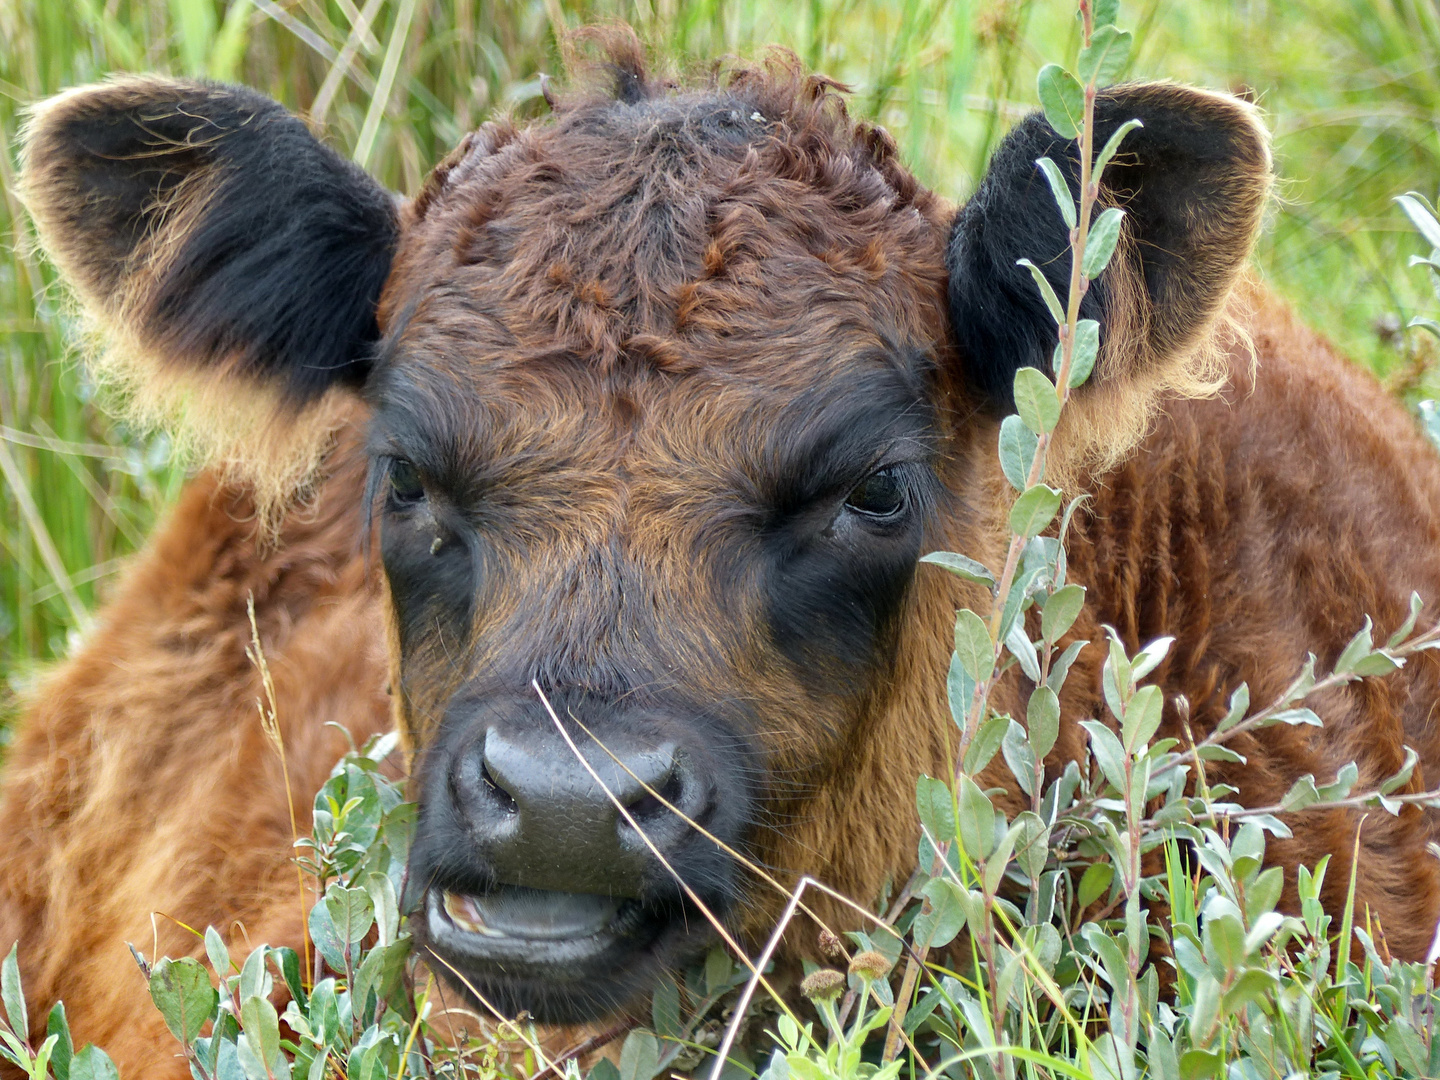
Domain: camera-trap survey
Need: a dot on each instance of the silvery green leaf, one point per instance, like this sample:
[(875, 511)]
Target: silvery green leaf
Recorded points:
[(1102, 61), (1263, 928), (1052, 302), (92, 1063), (986, 743), (1404, 1042), (945, 917), (326, 938), (1031, 577), (921, 1011), (1112, 145), (261, 1028), (1160, 1055), (1104, 13), (1248, 843), (936, 806), (1017, 451), (1378, 663), (40, 1070), (1036, 402), (1239, 706), (1109, 754), (285, 959), (1148, 658), (218, 954), (1062, 608), (1345, 781), (1142, 717), (1023, 649), (962, 567), (1294, 716), (1219, 753), (1112, 957), (381, 891), (1042, 553), (1224, 939), (1416, 209), (1085, 351), (973, 645), (255, 978), (1033, 510), (1262, 894), (1112, 1058), (182, 992), (960, 689), (1033, 843), (1302, 793), (640, 1056), (976, 824), (379, 972), (1061, 667), (1063, 199), (250, 1061), (1359, 647), (1415, 603), (1100, 244), (1063, 99), (11, 993), (1401, 778), (1042, 720), (1019, 757), (1304, 682), (351, 911), (57, 1025), (1431, 325), (1249, 986), (325, 1011), (1011, 965)]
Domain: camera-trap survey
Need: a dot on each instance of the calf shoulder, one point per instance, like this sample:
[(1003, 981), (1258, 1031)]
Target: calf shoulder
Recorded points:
[(140, 791)]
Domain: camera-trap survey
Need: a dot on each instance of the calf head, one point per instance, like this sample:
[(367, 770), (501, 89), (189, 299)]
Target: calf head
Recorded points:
[(666, 395)]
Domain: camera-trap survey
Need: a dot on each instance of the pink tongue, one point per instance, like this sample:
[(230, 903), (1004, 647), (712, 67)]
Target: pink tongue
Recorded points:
[(532, 913)]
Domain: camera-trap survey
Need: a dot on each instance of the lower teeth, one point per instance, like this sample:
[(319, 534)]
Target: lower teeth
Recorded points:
[(463, 914)]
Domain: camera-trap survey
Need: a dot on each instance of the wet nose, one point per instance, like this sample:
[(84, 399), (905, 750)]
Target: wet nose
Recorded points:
[(546, 822)]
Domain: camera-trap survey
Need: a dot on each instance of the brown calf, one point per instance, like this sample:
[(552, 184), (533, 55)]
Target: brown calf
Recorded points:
[(656, 403)]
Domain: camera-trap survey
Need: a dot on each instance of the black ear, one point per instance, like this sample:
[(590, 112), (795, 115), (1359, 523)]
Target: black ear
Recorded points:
[(209, 232), (1193, 181)]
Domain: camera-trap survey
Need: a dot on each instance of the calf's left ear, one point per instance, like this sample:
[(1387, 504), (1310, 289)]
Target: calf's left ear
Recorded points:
[(1193, 182), (231, 261)]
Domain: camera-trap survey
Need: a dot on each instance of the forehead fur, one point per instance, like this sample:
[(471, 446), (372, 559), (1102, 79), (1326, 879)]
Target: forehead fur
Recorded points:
[(650, 221)]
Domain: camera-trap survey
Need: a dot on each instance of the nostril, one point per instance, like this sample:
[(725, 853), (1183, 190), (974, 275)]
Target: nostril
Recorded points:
[(492, 787), (670, 792)]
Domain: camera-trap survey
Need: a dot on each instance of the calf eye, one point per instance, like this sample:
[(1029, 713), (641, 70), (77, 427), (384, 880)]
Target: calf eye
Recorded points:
[(880, 495), (405, 482)]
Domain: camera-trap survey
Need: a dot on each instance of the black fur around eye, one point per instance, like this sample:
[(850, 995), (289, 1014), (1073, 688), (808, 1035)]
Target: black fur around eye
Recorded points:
[(881, 495), (405, 483)]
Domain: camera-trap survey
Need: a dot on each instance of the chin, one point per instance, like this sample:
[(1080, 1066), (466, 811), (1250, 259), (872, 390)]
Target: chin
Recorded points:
[(564, 958)]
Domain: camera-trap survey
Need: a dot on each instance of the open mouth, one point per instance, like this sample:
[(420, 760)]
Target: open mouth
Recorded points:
[(512, 927)]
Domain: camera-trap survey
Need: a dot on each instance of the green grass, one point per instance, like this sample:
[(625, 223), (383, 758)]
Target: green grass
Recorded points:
[(1350, 87)]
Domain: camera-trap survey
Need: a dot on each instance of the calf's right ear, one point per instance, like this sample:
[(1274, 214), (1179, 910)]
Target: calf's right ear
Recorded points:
[(1193, 182), (230, 260)]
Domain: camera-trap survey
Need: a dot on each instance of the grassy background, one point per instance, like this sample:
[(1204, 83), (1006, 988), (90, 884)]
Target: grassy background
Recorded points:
[(1351, 88)]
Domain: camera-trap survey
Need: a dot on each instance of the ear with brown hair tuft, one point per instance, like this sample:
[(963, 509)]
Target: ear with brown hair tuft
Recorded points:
[(1193, 182), (220, 248)]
